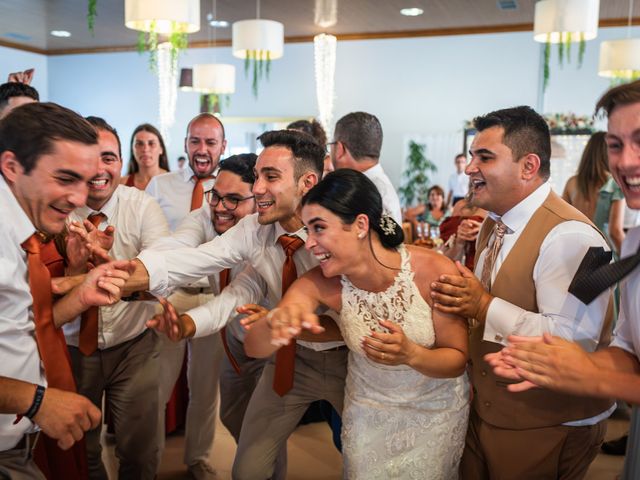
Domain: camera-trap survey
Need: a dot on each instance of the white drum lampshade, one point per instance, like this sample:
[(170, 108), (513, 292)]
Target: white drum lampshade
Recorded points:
[(166, 16), (218, 78), (620, 58), (555, 18), (256, 35)]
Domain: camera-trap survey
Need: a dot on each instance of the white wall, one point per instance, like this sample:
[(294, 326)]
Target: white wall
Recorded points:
[(418, 87)]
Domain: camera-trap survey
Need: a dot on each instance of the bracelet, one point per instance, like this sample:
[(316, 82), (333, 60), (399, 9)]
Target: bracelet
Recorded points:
[(131, 298), (270, 315), (37, 401)]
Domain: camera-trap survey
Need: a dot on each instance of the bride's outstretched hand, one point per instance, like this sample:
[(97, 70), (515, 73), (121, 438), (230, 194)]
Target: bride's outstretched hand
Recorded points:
[(287, 323), (393, 348)]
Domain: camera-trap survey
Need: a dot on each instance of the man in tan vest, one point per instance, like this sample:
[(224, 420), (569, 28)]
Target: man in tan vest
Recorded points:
[(530, 247)]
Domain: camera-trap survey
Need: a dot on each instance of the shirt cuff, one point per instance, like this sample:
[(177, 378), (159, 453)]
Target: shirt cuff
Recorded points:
[(205, 323), (157, 270), (501, 321)]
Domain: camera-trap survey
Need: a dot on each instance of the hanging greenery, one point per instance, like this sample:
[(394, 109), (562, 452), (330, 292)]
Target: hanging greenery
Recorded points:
[(261, 62), (416, 175), (564, 51), (92, 12), (148, 41), (215, 102)]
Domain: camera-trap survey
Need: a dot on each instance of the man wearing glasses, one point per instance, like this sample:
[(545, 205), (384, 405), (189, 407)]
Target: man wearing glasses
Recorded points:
[(178, 193)]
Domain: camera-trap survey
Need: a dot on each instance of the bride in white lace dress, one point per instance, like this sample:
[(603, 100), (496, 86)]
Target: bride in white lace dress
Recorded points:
[(407, 393)]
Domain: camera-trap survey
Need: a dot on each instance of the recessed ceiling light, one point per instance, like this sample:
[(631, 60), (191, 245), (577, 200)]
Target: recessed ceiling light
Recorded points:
[(60, 33), (216, 23), (411, 12)]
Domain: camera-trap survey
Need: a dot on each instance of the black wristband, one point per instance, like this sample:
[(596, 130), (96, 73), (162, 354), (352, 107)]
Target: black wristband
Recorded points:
[(132, 298), (37, 401)]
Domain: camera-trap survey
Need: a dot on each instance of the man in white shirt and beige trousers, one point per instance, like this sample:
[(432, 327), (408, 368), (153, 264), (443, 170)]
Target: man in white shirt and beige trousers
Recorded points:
[(179, 193), (112, 351), (534, 244), (288, 167)]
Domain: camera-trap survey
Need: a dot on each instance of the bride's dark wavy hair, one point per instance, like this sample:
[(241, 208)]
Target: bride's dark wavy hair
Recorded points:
[(348, 193)]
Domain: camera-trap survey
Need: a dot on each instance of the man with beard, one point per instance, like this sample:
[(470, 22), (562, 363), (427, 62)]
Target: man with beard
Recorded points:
[(530, 247), (112, 351), (178, 193), (288, 167)]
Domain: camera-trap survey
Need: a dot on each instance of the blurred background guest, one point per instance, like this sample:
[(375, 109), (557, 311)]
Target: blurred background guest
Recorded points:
[(147, 157)]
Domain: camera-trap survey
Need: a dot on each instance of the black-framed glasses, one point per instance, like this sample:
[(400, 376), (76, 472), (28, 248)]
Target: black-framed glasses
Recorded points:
[(229, 202)]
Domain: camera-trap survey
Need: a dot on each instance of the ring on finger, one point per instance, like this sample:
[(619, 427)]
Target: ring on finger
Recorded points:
[(382, 355)]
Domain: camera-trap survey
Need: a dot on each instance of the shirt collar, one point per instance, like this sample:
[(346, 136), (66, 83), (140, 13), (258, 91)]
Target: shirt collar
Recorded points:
[(21, 223), (279, 231), (108, 209), (376, 170), (516, 218), (187, 173)]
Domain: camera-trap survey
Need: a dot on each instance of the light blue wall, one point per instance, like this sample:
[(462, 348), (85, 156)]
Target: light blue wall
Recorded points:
[(12, 60), (416, 86)]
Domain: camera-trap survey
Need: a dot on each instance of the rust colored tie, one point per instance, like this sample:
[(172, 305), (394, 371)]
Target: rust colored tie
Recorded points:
[(492, 254), (198, 191), (50, 340), (286, 355), (224, 281), (88, 339)]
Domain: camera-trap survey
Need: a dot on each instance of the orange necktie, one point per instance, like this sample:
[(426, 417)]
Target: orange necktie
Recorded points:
[(224, 281), (88, 341), (198, 191), (285, 356), (50, 341)]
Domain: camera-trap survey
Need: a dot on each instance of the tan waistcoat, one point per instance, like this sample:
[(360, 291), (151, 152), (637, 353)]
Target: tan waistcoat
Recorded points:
[(514, 283)]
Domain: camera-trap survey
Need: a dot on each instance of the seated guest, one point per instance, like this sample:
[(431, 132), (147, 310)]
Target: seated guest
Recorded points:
[(147, 157), (406, 381), (460, 231), (429, 215)]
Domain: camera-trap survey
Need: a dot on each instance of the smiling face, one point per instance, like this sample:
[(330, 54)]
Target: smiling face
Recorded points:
[(497, 181), (57, 185), (230, 185), (147, 149), (102, 186), (623, 148), (334, 244), (277, 192), (204, 145)]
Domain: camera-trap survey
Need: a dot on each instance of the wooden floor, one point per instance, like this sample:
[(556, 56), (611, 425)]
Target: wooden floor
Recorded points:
[(312, 455)]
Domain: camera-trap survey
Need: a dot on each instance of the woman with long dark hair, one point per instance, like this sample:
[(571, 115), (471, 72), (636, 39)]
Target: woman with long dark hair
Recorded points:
[(407, 393), (147, 157)]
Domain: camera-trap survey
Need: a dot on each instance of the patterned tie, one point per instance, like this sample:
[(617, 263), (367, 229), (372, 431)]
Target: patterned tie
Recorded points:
[(224, 281), (50, 341), (88, 339), (285, 356), (198, 191), (492, 254), (595, 274)]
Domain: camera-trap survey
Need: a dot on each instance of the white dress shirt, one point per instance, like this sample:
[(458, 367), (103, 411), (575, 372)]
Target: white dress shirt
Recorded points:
[(246, 285), (248, 241), (627, 332), (458, 184), (390, 200), (560, 313), (173, 191), (138, 222), (19, 357)]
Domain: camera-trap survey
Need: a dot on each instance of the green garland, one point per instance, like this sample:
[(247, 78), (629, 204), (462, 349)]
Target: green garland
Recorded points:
[(564, 52), (547, 57), (215, 102), (148, 41), (92, 12), (261, 62)]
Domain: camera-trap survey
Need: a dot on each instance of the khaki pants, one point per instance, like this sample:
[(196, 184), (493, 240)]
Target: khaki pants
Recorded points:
[(558, 452), (18, 464)]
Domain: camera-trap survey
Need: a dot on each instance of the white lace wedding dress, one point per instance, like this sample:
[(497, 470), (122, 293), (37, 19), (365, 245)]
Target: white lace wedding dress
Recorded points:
[(397, 422)]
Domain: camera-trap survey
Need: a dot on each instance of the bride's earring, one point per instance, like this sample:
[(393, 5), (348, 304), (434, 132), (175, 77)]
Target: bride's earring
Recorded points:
[(361, 235)]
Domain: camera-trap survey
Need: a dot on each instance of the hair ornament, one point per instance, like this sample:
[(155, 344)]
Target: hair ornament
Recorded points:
[(387, 224)]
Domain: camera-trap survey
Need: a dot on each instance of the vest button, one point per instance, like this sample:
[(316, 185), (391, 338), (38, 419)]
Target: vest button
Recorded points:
[(483, 373), (475, 391), (487, 404)]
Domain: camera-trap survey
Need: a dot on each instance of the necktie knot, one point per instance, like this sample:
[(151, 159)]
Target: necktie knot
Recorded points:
[(96, 218), (32, 244), (500, 229), (290, 244)]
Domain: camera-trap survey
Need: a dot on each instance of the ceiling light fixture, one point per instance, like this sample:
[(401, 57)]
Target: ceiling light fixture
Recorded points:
[(162, 16), (215, 23), (60, 33), (620, 59), (411, 12)]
